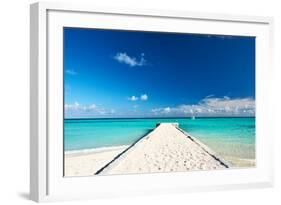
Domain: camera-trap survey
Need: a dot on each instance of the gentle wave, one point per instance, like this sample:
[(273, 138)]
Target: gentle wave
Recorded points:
[(95, 150)]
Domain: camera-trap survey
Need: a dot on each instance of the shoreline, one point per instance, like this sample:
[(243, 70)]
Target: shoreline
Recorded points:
[(94, 150), (83, 152)]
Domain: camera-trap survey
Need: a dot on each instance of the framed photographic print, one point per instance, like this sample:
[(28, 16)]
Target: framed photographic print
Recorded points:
[(127, 102)]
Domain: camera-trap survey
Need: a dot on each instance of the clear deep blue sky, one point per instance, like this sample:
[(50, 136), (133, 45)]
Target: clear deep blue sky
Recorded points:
[(110, 73)]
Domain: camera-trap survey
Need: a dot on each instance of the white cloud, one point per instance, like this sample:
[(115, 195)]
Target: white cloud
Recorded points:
[(167, 110), (92, 106), (133, 98), (131, 61), (74, 106), (92, 110), (144, 97), (71, 72), (211, 106)]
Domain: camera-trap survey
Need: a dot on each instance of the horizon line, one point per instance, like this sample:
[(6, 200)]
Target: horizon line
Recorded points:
[(100, 118)]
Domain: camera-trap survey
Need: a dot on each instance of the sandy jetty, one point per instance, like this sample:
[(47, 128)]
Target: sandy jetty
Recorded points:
[(167, 148)]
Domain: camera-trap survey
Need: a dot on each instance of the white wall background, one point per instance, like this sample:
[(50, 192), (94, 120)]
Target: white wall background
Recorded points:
[(14, 101)]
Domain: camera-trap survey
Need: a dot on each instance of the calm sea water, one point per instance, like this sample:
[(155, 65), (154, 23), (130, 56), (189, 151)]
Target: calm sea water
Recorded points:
[(232, 137)]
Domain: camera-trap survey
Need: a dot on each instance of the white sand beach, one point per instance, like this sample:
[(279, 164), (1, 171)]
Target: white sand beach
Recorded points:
[(167, 148), (88, 163)]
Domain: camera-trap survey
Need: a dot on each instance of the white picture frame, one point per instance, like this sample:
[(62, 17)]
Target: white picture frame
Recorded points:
[(46, 179)]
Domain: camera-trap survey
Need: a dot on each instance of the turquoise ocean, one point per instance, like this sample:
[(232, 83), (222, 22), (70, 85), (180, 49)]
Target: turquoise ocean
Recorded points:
[(229, 137)]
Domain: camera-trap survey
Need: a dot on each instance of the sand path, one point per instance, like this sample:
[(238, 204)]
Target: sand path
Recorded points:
[(167, 148)]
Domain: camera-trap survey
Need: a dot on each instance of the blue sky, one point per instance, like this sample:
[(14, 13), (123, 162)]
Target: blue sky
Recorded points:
[(110, 73)]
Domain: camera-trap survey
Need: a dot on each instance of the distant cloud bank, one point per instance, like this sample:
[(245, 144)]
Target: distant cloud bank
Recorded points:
[(130, 60), (211, 107), (76, 110), (207, 107)]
